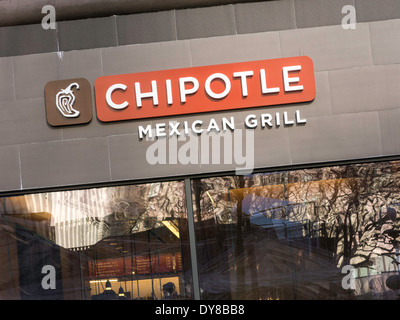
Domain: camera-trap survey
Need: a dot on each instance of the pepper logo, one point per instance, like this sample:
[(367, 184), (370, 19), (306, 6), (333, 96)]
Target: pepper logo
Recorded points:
[(65, 99), (68, 102)]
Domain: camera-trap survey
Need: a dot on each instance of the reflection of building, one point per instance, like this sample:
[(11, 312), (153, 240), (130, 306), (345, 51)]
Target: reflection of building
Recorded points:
[(36, 222), (27, 250), (319, 220), (142, 261), (277, 260), (78, 233)]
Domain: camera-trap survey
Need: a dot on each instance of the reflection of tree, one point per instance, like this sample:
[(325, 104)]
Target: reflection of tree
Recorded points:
[(350, 209), (347, 212), (141, 207)]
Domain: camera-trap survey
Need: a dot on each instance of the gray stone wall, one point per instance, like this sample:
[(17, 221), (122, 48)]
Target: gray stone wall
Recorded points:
[(354, 115)]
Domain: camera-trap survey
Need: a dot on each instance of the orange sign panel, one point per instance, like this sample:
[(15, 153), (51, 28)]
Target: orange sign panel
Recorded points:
[(205, 89)]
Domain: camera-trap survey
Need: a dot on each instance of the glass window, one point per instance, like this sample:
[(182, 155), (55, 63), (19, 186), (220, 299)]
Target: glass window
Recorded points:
[(325, 233), (126, 242), (322, 233)]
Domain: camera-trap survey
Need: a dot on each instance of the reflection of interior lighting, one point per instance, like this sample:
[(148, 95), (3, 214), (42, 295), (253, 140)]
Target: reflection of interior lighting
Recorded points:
[(118, 248), (210, 197), (104, 280), (113, 243), (108, 285), (172, 227)]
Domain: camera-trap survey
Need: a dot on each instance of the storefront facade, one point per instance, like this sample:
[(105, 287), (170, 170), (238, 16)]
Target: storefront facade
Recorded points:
[(262, 164)]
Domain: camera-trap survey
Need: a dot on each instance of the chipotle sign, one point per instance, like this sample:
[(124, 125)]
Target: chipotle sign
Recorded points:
[(205, 89)]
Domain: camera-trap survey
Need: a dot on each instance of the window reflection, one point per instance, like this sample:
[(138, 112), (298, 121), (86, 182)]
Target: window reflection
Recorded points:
[(274, 235), (287, 235), (127, 242)]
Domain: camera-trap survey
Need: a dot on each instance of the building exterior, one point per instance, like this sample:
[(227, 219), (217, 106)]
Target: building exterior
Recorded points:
[(200, 150)]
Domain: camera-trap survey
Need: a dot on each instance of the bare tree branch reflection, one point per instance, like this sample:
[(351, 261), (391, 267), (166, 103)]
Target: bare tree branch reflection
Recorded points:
[(318, 221)]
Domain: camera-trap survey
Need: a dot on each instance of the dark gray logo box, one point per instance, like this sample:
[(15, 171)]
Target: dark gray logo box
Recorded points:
[(68, 102)]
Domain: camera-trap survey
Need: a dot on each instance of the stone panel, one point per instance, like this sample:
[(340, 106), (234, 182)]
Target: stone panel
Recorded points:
[(240, 48), (373, 10), (146, 27), (7, 91), (27, 39), (264, 16), (10, 178), (146, 57), (32, 72), (205, 22), (330, 47), (365, 89), (338, 137), (385, 41), (87, 33), (390, 131), (63, 163), (24, 121)]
